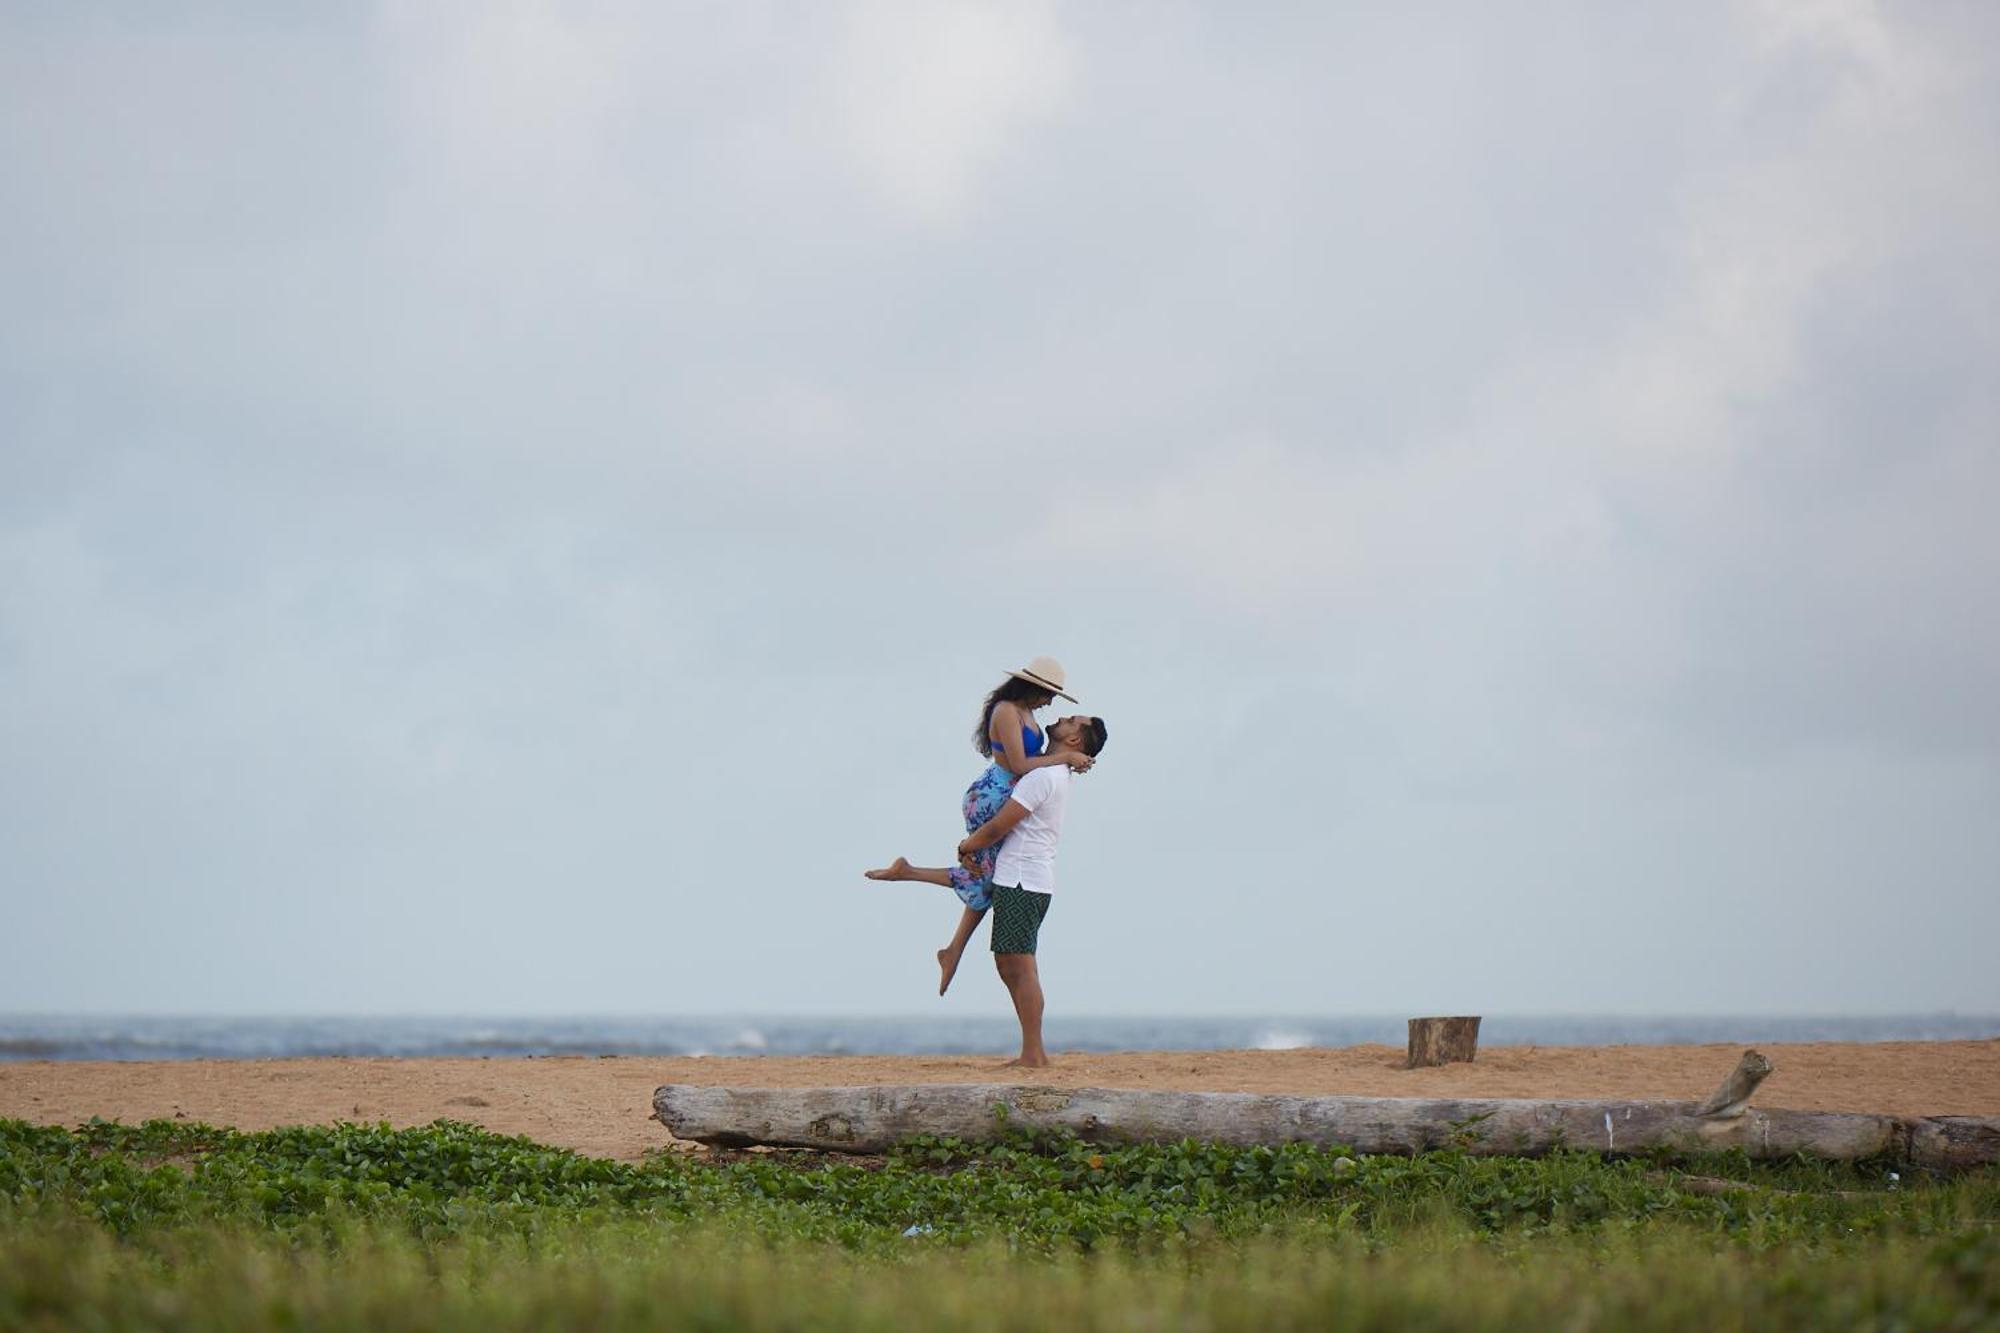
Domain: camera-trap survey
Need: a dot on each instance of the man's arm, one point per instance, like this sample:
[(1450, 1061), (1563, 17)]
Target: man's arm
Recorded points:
[(1011, 813)]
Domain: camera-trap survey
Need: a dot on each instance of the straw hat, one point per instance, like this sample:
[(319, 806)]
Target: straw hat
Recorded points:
[(1045, 672)]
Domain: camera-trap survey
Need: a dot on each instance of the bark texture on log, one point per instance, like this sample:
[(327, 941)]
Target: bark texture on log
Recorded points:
[(872, 1119), (1439, 1041), (1733, 1096), (1954, 1142)]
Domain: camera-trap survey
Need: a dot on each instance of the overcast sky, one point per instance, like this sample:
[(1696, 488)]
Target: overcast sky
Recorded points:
[(510, 508)]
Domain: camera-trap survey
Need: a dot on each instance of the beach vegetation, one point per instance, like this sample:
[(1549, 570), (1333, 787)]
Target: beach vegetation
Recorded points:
[(138, 1226)]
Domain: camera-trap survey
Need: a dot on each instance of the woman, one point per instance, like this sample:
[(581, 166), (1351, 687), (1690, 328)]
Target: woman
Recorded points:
[(1009, 736)]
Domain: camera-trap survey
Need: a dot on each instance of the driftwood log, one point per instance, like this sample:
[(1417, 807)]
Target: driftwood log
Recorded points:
[(872, 1119), (1442, 1041)]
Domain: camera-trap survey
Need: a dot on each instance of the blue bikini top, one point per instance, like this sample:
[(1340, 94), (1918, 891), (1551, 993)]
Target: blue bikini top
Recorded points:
[(1031, 744)]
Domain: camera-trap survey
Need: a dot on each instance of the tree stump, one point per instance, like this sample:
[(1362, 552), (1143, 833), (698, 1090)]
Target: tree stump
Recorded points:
[(1441, 1041)]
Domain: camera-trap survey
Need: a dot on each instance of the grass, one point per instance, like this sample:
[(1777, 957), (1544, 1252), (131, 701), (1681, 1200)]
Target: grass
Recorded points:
[(169, 1224)]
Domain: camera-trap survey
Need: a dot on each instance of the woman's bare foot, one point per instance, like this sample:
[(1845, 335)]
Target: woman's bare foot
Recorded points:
[(947, 968), (1025, 1063), (896, 869)]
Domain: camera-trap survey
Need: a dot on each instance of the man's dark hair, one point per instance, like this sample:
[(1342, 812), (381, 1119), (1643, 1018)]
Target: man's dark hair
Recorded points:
[(1095, 733), (1012, 690)]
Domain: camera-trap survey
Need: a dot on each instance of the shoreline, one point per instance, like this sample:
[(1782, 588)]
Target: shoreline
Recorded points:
[(84, 1037), (602, 1105)]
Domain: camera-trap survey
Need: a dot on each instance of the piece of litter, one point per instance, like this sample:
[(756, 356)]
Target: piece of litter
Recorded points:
[(918, 1229)]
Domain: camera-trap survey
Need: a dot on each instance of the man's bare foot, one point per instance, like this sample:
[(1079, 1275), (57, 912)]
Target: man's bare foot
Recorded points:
[(896, 869), (947, 969)]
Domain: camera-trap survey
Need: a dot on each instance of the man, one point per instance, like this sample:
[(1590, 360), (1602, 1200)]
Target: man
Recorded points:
[(1028, 827)]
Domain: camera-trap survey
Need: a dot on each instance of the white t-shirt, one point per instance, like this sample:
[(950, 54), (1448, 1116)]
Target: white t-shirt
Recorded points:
[(1028, 854)]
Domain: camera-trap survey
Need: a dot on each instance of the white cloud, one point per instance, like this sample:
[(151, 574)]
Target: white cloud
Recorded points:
[(1657, 419), (929, 96), (526, 90), (1767, 238), (1268, 529)]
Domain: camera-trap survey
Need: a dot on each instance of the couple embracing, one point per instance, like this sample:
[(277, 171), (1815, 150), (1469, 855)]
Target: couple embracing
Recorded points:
[(1013, 820)]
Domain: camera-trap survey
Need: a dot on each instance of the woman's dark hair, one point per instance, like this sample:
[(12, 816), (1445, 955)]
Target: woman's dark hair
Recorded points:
[(1012, 690)]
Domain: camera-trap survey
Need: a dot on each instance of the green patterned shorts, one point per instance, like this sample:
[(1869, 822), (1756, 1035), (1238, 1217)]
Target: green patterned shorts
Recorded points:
[(1017, 918)]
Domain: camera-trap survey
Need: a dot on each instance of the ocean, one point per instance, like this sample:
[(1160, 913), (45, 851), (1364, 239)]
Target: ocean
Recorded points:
[(99, 1037)]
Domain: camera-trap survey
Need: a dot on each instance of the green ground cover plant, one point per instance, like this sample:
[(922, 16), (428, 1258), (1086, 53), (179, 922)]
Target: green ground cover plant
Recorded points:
[(366, 1226)]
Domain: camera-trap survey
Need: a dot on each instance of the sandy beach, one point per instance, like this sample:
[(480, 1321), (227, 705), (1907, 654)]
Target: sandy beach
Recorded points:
[(603, 1106)]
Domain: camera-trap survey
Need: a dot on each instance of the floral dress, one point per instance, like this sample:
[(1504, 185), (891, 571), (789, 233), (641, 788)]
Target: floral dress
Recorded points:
[(983, 799)]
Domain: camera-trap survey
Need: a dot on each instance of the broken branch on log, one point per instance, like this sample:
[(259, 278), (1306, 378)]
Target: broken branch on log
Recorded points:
[(1733, 1097)]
